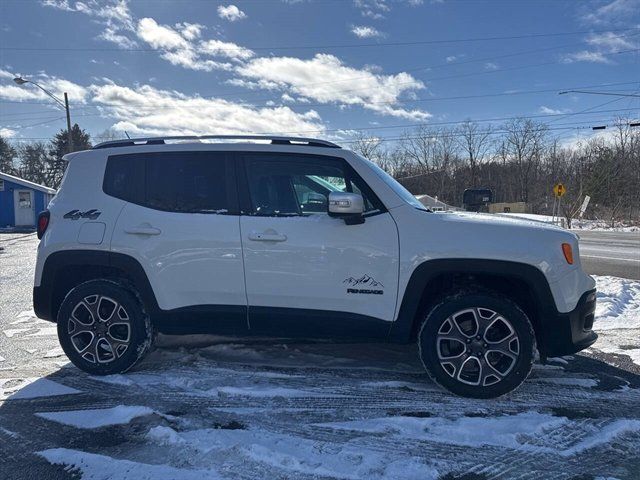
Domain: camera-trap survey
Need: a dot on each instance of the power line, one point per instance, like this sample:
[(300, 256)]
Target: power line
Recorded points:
[(380, 139), (326, 46), (590, 109), (421, 124), (415, 69), (600, 93), (402, 102)]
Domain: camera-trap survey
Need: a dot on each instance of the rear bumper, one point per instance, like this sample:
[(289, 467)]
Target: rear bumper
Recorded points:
[(567, 333)]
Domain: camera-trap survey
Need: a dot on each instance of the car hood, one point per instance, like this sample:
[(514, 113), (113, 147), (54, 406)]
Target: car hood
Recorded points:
[(502, 221)]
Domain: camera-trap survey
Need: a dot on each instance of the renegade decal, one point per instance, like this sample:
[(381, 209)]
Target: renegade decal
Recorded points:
[(364, 281), (77, 214)]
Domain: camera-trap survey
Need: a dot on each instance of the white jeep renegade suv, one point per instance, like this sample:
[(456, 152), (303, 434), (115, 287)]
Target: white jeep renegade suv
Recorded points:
[(293, 237)]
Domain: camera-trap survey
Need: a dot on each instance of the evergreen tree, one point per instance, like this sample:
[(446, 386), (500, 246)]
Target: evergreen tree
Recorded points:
[(34, 162), (7, 154), (60, 147)]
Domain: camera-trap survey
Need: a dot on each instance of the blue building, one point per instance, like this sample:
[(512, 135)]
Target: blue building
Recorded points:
[(21, 201)]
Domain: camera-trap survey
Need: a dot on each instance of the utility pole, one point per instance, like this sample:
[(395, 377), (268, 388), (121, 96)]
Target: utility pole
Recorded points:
[(65, 105), (69, 135)]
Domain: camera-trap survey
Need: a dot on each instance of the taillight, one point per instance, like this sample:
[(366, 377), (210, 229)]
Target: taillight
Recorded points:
[(568, 253), (43, 222)]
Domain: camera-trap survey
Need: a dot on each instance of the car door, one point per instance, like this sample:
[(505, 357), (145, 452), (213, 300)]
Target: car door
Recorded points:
[(308, 273), (181, 223)]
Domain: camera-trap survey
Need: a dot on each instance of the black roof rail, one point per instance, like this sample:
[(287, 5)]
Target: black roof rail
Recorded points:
[(275, 140)]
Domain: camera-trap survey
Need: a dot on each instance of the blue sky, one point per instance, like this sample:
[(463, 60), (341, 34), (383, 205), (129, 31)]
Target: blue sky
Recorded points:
[(326, 68)]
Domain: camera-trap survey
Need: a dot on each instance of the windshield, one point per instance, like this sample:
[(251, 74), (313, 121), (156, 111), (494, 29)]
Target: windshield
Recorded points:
[(397, 188)]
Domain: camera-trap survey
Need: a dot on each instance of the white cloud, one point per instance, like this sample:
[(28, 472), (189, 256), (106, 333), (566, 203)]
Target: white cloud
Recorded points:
[(374, 9), (586, 56), (7, 132), (553, 111), (57, 86), (190, 31), (179, 51), (362, 31), (145, 110), (218, 48), (340, 83), (6, 74), (602, 44), (451, 58), (231, 13), (610, 42), (613, 12), (111, 35), (113, 15), (491, 66), (160, 36), (377, 9)]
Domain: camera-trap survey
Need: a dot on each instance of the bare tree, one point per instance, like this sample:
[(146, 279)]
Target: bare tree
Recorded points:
[(418, 146), (525, 142), (369, 147), (475, 141)]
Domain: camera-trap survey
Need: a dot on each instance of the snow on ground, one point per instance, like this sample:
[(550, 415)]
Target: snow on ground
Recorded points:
[(95, 467), (17, 389), (96, 418), (205, 407), (617, 319), (577, 223), (514, 431)]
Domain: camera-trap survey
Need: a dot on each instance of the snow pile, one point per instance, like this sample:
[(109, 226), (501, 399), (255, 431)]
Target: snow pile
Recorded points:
[(89, 419), (618, 303), (617, 319)]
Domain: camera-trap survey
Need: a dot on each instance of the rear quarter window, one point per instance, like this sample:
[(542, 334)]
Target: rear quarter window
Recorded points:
[(184, 182)]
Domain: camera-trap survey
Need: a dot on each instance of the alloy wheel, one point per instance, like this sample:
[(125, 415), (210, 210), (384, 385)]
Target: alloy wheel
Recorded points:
[(99, 328), (477, 346)]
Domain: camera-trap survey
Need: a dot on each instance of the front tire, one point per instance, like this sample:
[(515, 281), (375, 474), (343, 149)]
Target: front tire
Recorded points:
[(478, 345), (103, 327)]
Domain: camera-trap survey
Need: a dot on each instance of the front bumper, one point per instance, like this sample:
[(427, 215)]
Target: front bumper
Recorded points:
[(568, 333)]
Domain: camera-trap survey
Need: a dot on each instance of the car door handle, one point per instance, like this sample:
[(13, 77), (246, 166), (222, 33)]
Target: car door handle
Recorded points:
[(143, 230), (267, 237)]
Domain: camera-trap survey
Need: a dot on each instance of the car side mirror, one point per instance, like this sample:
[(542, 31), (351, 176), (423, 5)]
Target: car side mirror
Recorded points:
[(348, 206)]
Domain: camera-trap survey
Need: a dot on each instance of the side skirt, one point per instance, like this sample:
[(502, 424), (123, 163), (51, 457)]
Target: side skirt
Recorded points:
[(270, 322)]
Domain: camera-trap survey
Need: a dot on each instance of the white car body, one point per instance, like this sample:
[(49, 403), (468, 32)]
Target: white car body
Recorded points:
[(304, 262)]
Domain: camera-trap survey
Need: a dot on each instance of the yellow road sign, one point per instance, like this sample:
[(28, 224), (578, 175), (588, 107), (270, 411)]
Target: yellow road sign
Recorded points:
[(559, 190)]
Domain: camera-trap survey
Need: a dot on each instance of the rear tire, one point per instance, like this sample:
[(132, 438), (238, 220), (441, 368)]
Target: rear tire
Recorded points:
[(103, 327), (478, 345)]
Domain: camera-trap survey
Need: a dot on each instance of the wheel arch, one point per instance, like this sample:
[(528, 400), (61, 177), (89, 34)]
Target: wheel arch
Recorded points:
[(64, 270), (433, 279)]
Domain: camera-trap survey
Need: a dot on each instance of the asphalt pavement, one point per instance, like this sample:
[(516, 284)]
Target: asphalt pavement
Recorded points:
[(610, 253)]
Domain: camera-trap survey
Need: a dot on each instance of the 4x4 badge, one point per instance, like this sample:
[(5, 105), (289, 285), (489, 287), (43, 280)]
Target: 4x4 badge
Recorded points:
[(77, 214), (364, 281)]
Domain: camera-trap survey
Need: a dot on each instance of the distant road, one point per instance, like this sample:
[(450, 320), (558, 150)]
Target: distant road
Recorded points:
[(610, 253)]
